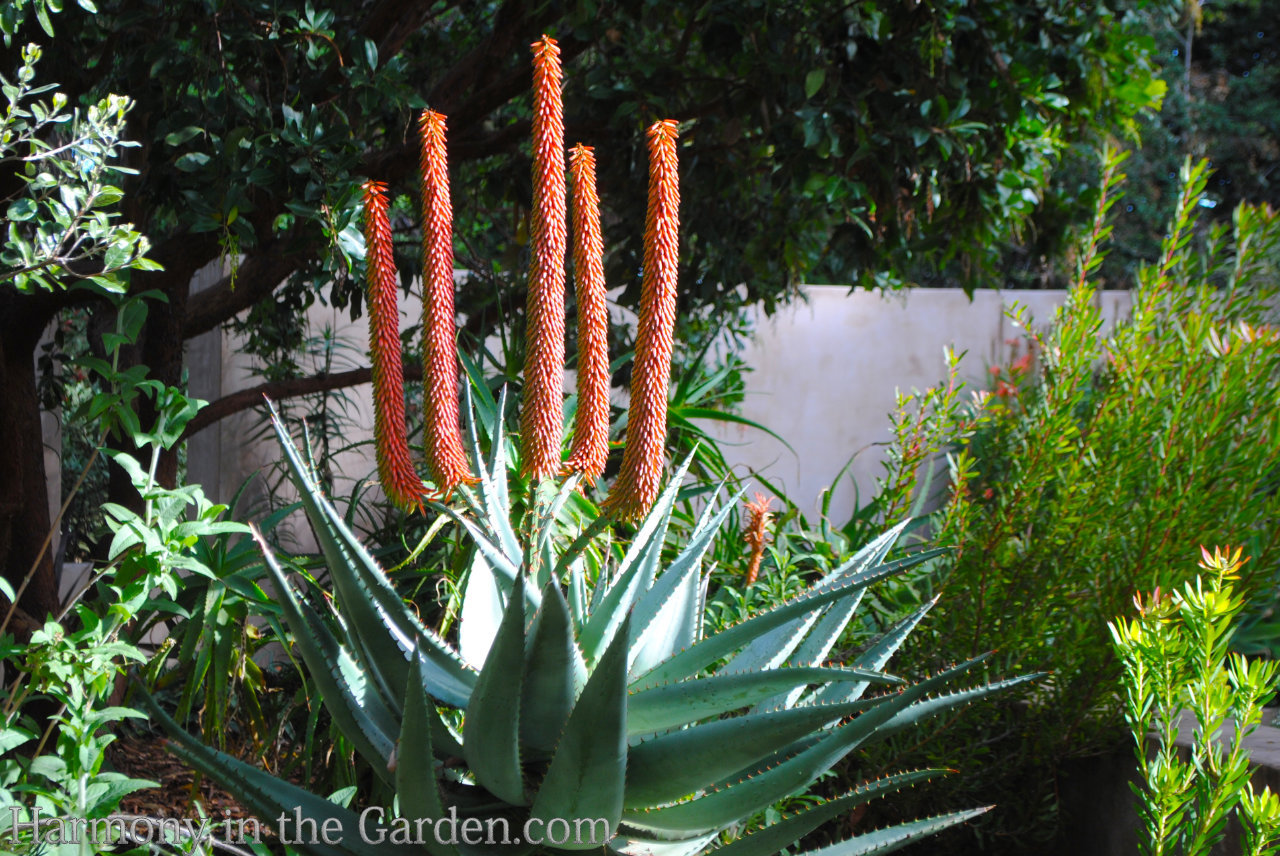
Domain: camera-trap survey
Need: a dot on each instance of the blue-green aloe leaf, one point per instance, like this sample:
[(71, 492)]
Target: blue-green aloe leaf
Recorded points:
[(540, 560), (347, 692), (491, 734), (728, 803), (939, 704), (483, 604), (578, 597), (587, 775), (495, 503), (635, 574), (870, 554), (816, 645), (701, 655), (670, 766), (876, 656), (417, 787), (672, 705), (268, 796), (776, 837), (764, 652), (386, 630), (788, 771), (666, 618), (554, 673), (895, 837)]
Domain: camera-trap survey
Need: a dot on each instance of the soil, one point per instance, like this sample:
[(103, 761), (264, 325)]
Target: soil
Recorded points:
[(147, 758)]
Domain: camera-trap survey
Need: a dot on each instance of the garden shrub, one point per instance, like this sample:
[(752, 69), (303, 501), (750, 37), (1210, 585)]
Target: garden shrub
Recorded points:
[(1095, 462)]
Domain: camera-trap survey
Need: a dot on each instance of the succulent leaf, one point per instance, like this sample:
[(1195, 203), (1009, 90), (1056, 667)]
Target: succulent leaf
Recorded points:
[(495, 510), (895, 837), (636, 571), (554, 673), (483, 605), (377, 614), (264, 794), (870, 554), (728, 803), (352, 700), (668, 617), (670, 766), (672, 705), (416, 784), (587, 775), (692, 660), (493, 718), (933, 706), (817, 644), (774, 648), (540, 560), (784, 833), (876, 656)]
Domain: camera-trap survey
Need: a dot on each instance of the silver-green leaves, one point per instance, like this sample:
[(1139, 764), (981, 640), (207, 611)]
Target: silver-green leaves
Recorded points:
[(599, 703)]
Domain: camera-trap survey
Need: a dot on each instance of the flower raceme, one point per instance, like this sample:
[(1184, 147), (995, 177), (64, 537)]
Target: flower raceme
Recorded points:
[(590, 447), (399, 479), (542, 414), (442, 432), (641, 473), (445, 459)]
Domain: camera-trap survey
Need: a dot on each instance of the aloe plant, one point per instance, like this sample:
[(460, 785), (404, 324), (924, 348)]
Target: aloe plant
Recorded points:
[(582, 691), (594, 701)]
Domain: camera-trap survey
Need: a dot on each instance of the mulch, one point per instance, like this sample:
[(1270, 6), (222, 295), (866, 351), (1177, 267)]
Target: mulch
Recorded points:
[(147, 758)]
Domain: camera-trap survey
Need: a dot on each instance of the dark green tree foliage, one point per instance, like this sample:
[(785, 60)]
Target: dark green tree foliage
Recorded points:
[(1222, 72), (827, 141)]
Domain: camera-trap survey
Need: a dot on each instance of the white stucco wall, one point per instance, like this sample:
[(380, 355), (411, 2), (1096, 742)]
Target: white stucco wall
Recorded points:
[(824, 377), (826, 372)]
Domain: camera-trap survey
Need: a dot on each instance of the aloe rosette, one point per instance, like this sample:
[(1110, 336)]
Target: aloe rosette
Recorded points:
[(593, 701)]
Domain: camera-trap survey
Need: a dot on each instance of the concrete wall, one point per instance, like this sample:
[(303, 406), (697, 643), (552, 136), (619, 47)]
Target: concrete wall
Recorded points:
[(826, 372), (824, 378)]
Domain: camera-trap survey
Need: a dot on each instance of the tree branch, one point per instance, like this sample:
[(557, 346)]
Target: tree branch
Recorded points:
[(269, 264), (255, 279), (245, 399)]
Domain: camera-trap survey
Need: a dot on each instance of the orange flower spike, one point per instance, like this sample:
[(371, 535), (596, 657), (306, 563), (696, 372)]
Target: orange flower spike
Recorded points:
[(399, 479), (542, 416), (641, 474), (756, 535), (591, 424), (442, 431)]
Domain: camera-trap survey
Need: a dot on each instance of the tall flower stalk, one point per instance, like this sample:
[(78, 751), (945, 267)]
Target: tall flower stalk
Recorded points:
[(399, 479), (542, 414), (641, 474), (590, 447), (442, 432)]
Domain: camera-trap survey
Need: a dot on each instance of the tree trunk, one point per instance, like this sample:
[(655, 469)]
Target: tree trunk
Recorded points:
[(24, 497)]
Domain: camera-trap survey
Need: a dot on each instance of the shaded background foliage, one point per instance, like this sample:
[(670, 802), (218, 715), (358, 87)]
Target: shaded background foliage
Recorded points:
[(820, 141), (929, 143)]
